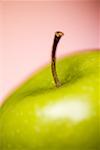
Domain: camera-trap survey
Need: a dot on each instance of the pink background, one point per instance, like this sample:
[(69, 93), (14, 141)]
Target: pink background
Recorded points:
[(27, 31)]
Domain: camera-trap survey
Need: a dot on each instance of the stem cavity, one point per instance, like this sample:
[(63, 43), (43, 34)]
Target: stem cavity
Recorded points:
[(57, 37)]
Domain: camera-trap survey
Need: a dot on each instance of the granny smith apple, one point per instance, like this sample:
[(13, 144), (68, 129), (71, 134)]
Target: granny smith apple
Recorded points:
[(58, 108)]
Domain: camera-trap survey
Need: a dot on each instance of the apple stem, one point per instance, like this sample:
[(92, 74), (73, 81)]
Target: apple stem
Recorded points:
[(57, 37)]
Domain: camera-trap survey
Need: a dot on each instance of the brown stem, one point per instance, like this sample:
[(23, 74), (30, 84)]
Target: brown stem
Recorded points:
[(57, 37)]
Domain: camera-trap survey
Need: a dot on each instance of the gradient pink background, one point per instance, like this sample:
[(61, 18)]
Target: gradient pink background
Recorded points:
[(27, 31)]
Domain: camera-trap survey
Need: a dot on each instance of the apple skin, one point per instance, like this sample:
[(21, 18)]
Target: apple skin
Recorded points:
[(39, 116)]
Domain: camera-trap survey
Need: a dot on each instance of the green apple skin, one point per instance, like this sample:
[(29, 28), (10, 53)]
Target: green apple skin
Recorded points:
[(39, 116)]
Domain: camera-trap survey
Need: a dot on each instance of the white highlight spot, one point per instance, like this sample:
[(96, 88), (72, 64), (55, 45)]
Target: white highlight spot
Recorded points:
[(74, 110)]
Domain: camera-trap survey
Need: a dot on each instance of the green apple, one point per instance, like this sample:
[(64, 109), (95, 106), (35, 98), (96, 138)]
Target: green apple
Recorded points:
[(55, 110)]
